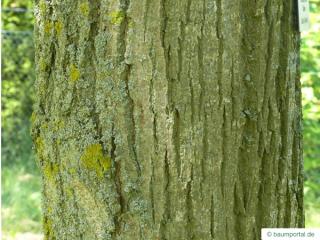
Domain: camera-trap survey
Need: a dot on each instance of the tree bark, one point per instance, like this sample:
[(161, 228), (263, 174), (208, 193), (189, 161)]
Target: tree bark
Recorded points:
[(161, 119)]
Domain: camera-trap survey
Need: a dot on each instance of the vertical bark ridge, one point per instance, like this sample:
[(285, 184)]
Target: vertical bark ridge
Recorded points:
[(166, 214), (146, 12), (269, 143), (204, 189)]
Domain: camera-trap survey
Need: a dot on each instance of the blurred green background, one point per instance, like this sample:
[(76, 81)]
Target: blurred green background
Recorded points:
[(310, 78), (21, 188)]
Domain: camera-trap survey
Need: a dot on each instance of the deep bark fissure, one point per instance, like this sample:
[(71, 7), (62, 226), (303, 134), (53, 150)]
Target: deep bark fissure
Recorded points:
[(117, 176), (189, 207), (220, 37), (176, 139)]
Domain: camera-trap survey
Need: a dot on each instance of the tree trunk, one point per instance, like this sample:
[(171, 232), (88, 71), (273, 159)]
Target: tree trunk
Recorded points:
[(161, 119)]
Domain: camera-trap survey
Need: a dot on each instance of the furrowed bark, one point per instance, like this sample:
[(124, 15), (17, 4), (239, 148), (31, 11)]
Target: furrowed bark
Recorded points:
[(168, 119)]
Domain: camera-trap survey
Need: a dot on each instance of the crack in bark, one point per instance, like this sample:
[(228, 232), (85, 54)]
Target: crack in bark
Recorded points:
[(220, 48), (224, 153), (154, 129), (189, 207), (48, 96), (94, 13), (132, 126), (212, 217), (118, 184), (166, 52), (176, 140), (200, 61), (166, 214), (152, 193)]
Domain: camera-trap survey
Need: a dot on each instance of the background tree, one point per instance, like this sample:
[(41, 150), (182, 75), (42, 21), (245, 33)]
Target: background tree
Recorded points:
[(168, 119)]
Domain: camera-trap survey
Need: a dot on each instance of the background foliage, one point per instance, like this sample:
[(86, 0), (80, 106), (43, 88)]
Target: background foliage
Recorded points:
[(21, 196), (310, 78)]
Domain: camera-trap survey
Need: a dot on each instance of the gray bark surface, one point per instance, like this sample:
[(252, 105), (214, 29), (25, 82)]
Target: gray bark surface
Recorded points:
[(160, 119)]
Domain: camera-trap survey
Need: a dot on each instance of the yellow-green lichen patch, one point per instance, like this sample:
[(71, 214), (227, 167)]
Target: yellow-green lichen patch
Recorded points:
[(44, 126), (117, 17), (47, 27), (93, 159), (69, 192), (58, 27), (58, 124), (42, 64), (33, 117), (49, 209), (50, 171), (39, 146), (84, 8), (72, 171), (39, 150), (47, 227), (130, 24), (42, 7), (74, 73)]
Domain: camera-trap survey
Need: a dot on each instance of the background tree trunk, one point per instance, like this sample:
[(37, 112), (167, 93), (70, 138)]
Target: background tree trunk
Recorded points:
[(161, 119)]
